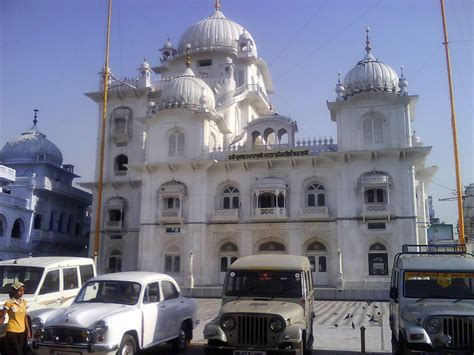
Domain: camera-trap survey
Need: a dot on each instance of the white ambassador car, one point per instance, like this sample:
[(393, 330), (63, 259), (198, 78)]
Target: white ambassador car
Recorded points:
[(119, 313)]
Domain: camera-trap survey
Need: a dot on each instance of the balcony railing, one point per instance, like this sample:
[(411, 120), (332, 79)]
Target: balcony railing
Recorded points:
[(319, 212), (376, 210), (40, 235), (270, 213), (45, 183), (228, 215), (170, 216), (7, 174), (15, 201)]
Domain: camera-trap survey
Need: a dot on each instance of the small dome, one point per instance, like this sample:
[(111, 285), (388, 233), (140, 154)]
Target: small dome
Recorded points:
[(28, 147), (215, 32), (244, 35), (189, 90), (416, 140), (370, 75), (168, 44), (145, 65)]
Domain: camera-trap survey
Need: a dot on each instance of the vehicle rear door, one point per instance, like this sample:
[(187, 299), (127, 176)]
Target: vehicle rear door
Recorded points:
[(153, 320), (70, 276), (171, 308)]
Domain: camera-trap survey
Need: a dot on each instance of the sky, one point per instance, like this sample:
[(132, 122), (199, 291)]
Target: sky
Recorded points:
[(52, 50)]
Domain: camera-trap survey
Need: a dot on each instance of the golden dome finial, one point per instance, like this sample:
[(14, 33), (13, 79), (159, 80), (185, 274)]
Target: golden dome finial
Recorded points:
[(188, 56), (217, 5)]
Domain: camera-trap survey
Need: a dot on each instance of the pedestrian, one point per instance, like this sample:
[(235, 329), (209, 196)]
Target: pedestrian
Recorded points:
[(17, 332)]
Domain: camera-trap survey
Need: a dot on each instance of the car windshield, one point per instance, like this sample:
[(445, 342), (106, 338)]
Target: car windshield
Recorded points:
[(121, 292), (29, 276), (439, 284), (260, 283)]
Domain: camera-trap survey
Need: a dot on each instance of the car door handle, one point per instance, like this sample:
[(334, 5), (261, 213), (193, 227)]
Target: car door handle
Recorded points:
[(163, 306), (59, 300)]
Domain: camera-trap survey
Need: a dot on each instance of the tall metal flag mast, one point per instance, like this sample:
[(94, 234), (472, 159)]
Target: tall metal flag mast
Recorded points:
[(454, 129), (106, 76)]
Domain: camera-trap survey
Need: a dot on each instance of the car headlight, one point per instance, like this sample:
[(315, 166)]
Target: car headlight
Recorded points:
[(101, 327), (37, 323), (433, 325), (228, 322), (276, 324)]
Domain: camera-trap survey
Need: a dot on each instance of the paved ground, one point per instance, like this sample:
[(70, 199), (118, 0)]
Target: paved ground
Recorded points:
[(333, 328)]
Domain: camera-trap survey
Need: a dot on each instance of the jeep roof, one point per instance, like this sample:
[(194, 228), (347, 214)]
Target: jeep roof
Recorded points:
[(48, 261), (432, 262), (271, 262)]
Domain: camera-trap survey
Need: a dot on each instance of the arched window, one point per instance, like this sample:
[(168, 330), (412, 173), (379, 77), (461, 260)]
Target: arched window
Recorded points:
[(230, 198), (316, 247), (256, 138), (37, 221), (373, 130), (269, 136), (115, 261), (378, 260), (120, 163), (271, 246), (212, 142), (315, 195), (282, 136), (228, 248), (17, 229), (62, 217), (3, 225), (121, 121), (176, 144)]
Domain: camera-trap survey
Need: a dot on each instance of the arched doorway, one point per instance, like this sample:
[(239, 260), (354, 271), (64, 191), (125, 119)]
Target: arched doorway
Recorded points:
[(228, 253), (318, 258)]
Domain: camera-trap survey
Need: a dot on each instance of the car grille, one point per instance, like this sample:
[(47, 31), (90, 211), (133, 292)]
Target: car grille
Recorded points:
[(67, 335), (252, 330), (461, 331)]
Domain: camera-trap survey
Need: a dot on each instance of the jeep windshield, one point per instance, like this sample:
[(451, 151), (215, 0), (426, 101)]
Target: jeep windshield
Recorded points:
[(29, 276), (439, 284), (121, 292), (286, 284)]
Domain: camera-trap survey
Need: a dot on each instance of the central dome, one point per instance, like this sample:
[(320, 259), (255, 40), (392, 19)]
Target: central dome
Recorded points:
[(214, 32)]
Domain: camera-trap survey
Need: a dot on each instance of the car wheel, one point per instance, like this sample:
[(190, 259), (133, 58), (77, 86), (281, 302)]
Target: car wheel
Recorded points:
[(180, 343), (403, 346), (128, 346)]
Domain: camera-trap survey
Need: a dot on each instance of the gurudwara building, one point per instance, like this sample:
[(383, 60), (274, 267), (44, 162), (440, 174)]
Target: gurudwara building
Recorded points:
[(200, 169)]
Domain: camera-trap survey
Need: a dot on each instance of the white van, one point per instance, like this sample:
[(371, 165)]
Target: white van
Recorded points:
[(49, 281)]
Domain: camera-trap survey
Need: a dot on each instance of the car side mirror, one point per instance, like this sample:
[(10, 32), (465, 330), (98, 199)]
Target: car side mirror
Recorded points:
[(394, 293)]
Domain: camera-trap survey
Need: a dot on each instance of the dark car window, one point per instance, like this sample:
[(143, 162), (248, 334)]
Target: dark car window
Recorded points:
[(87, 272), (28, 275), (51, 283), (152, 293), (109, 291), (169, 290), (70, 279)]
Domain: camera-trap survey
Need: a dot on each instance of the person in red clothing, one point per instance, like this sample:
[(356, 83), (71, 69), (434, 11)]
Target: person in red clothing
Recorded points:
[(17, 330)]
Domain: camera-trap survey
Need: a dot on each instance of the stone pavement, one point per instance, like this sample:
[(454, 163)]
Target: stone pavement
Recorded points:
[(333, 329)]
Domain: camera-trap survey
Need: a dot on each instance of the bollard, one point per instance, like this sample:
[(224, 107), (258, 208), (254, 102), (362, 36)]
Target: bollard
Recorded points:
[(362, 340)]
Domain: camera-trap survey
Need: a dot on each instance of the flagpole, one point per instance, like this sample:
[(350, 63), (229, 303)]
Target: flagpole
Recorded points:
[(106, 75), (454, 130)]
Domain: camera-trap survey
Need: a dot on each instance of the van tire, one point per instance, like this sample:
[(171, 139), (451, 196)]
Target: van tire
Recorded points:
[(128, 346)]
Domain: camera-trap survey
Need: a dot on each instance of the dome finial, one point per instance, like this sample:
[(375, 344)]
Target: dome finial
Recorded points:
[(339, 78), (217, 5), (401, 73), (188, 56), (368, 47), (35, 120)]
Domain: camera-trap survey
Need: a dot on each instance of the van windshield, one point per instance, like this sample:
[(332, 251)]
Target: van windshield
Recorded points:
[(121, 292), (261, 283), (439, 284), (28, 275)]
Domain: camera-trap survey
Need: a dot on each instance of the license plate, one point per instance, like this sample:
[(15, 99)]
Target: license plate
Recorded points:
[(56, 352), (249, 352)]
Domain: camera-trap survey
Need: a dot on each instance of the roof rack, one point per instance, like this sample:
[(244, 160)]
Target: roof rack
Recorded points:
[(431, 249)]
